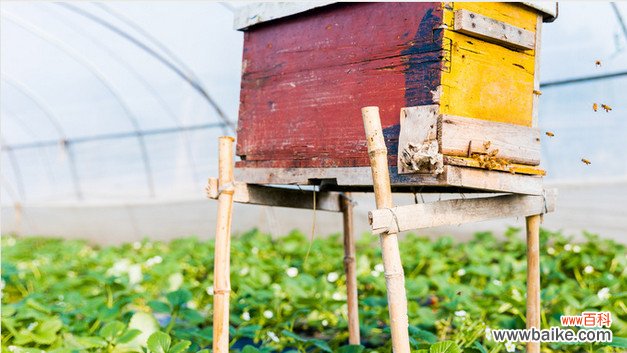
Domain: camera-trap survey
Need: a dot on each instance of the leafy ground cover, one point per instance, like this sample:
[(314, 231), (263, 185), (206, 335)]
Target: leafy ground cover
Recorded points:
[(68, 296)]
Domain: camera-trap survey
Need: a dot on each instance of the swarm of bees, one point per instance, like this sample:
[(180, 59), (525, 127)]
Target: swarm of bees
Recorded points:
[(490, 161)]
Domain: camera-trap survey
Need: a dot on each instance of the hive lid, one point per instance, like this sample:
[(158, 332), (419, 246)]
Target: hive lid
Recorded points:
[(256, 13)]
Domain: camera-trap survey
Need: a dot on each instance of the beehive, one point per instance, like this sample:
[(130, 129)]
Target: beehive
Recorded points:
[(456, 83)]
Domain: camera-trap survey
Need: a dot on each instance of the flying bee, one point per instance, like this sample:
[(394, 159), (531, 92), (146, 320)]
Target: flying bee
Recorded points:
[(585, 161), (595, 107), (606, 107), (537, 92), (598, 63), (487, 144), (549, 134)]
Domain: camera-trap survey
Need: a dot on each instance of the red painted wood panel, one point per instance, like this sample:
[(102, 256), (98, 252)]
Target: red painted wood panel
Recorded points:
[(306, 77)]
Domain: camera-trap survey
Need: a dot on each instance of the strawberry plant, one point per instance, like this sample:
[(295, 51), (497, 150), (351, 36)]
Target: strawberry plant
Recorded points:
[(69, 296)]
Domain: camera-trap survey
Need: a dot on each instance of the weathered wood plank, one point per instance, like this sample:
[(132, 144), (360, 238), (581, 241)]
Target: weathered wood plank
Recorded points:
[(472, 179), (459, 211), (510, 167), (418, 140), (476, 25), (516, 143), (278, 197)]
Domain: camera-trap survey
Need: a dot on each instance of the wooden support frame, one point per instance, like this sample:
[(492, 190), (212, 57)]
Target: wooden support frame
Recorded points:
[(227, 191), (394, 274), (426, 215), (277, 196)]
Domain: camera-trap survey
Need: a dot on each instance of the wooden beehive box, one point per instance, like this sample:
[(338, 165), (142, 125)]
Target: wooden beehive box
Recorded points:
[(456, 83)]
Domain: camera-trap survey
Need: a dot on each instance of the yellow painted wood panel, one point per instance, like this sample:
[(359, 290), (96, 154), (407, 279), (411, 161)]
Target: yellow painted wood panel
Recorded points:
[(484, 80)]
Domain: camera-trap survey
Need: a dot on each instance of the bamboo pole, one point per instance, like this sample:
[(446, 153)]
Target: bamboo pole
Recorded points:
[(533, 278), (350, 268), (221, 274), (394, 276)]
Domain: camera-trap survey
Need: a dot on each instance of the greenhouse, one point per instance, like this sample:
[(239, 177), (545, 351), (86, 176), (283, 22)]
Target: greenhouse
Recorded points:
[(207, 176)]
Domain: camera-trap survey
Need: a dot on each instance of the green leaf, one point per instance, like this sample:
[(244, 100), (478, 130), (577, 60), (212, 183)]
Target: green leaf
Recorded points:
[(619, 342), (292, 335), (180, 347), (351, 348), (112, 330), (480, 347), (159, 342), (322, 345), (128, 336), (250, 349), (179, 297), (445, 347), (422, 335), (159, 306)]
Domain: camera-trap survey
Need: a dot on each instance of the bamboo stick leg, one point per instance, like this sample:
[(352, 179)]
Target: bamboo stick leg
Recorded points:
[(394, 276), (533, 278), (350, 268), (221, 275)]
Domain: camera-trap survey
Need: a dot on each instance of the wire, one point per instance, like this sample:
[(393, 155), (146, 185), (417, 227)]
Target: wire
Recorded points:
[(582, 79), (114, 136), (196, 85)]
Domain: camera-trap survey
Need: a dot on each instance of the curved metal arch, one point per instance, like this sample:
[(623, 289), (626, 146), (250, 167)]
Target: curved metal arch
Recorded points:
[(148, 87), (196, 85), (25, 91), (107, 84), (39, 103), (16, 169), (4, 111)]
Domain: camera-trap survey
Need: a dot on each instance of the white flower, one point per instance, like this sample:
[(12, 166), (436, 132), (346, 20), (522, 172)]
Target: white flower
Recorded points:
[(375, 273), (32, 326), (550, 251), (254, 250), (604, 293), (244, 271), (337, 296), (488, 334), (268, 314), (496, 282), (332, 276), (568, 247), (119, 268), (135, 274), (379, 268), (576, 249), (325, 322), (460, 313), (292, 272), (588, 269), (154, 260), (510, 347), (461, 272), (175, 281), (246, 316), (273, 336), (137, 245), (209, 290)]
